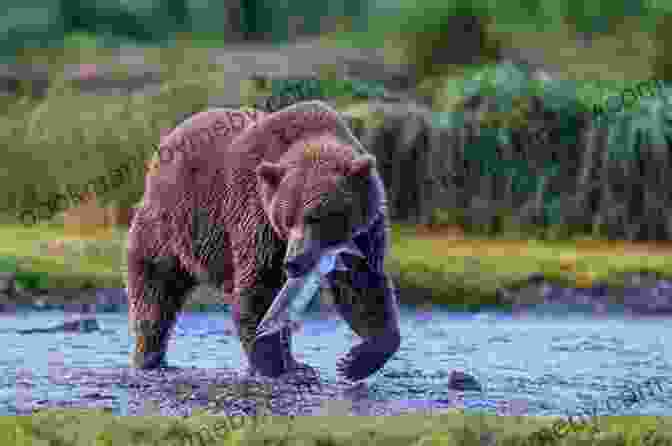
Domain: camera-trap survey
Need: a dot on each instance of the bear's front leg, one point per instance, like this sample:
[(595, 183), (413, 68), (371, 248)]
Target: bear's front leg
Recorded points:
[(259, 277), (368, 304), (270, 356)]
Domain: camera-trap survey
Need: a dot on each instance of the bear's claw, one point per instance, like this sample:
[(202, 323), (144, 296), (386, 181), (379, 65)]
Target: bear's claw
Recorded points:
[(270, 356), (150, 361), (150, 346), (367, 358)]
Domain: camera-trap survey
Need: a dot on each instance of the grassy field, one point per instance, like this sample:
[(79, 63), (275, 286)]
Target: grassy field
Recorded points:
[(464, 271), (100, 267), (75, 427)]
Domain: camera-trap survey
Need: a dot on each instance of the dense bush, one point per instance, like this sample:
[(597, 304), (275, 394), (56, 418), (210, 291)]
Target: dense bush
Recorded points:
[(425, 31), (46, 149), (663, 31)]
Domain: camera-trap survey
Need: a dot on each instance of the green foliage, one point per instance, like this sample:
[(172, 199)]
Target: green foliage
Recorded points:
[(424, 43), (284, 92), (421, 28), (446, 217), (603, 16), (8, 264), (662, 68), (148, 21), (99, 133), (509, 89), (648, 123)]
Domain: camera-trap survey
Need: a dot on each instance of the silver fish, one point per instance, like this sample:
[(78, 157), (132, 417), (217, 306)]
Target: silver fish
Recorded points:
[(298, 293)]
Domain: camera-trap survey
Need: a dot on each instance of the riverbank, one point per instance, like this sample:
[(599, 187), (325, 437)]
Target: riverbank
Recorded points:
[(415, 429), (430, 267)]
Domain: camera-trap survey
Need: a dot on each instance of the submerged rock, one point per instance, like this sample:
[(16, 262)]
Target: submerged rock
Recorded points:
[(80, 326), (461, 381)]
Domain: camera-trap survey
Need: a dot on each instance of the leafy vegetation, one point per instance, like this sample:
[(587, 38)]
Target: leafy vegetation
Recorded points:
[(627, 37), (82, 144)]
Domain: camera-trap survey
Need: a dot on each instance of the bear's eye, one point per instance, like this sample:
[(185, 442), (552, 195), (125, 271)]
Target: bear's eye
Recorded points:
[(316, 217), (311, 219)]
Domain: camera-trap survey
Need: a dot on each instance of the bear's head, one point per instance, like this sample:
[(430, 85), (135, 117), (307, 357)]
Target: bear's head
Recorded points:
[(321, 192), (317, 185), (317, 194)]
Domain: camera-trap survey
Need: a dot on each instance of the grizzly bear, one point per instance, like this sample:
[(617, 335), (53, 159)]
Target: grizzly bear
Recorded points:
[(245, 199)]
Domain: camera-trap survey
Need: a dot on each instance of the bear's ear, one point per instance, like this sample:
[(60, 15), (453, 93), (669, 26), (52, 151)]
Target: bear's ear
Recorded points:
[(270, 173), (362, 166)]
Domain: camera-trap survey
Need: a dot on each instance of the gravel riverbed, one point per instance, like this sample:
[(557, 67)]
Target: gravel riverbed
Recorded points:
[(525, 362)]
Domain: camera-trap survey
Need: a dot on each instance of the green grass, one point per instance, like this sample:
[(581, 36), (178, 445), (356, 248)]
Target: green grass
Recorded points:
[(470, 272), (100, 428), (466, 273), (26, 245)]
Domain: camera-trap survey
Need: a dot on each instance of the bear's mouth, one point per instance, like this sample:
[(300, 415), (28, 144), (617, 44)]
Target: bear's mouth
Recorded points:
[(319, 251), (305, 273), (309, 243)]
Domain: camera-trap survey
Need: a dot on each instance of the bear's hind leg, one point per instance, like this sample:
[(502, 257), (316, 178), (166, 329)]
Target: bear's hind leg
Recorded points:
[(158, 288), (372, 312)]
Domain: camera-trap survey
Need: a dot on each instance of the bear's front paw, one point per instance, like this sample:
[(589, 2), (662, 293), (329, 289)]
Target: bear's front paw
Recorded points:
[(269, 356), (150, 346), (368, 357), (357, 369), (149, 360)]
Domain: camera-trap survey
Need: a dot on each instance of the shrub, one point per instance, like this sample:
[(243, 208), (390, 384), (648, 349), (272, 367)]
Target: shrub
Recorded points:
[(446, 217)]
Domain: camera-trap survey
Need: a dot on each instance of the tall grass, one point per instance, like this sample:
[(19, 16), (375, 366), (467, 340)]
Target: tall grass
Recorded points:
[(70, 138)]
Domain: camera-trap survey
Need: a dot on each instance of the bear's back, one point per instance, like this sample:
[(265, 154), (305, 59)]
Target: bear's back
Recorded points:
[(192, 153), (211, 132)]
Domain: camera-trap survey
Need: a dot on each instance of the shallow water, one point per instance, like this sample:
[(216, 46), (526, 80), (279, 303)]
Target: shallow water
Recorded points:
[(535, 364)]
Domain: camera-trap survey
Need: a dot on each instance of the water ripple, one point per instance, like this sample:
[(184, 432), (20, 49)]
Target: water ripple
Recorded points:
[(529, 358)]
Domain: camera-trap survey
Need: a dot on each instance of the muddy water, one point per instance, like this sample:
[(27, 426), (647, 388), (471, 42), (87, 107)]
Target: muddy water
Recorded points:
[(528, 364)]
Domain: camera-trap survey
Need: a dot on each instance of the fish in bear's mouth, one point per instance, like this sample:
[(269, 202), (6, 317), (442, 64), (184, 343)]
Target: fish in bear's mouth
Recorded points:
[(306, 268)]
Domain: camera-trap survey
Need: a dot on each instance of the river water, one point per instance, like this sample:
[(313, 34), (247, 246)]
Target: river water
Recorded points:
[(529, 364)]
